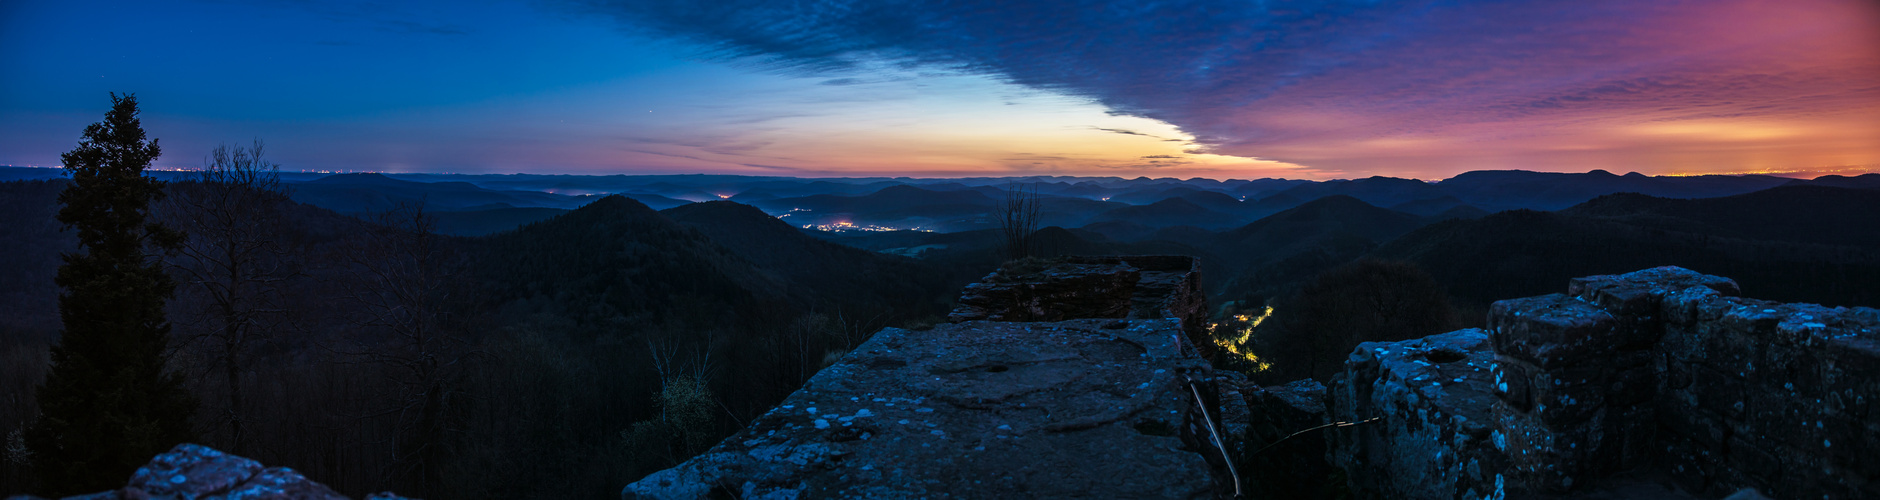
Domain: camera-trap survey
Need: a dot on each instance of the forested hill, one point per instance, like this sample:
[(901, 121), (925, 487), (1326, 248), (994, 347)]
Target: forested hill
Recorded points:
[(616, 264), (1797, 213), (1800, 244), (31, 239), (1311, 222), (821, 274)]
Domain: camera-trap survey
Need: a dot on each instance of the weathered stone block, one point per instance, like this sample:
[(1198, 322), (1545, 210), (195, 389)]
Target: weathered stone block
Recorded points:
[(1060, 292), (1720, 393), (1552, 330), (1848, 366), (1693, 305), (1435, 438), (1513, 381), (1082, 287), (1640, 293), (1636, 429), (1632, 386)]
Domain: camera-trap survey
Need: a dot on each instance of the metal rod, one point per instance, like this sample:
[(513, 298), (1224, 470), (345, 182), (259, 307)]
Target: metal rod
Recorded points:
[(1219, 444), (1333, 424)]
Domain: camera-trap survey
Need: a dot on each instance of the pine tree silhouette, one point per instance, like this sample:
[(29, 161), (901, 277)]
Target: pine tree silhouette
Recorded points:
[(108, 404)]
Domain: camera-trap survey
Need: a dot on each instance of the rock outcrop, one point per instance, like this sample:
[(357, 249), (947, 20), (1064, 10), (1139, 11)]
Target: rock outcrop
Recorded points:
[(191, 471), (1657, 371), (1106, 399), (1094, 408)]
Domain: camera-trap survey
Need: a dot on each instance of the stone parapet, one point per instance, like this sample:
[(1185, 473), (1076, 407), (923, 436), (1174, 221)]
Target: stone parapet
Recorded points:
[(1661, 370), (1777, 396)]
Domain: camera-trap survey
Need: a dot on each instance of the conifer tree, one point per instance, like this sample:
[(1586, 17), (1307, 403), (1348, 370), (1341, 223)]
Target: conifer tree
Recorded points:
[(108, 405)]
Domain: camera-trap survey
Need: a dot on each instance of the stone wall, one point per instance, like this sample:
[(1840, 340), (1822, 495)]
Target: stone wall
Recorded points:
[(1066, 290), (1781, 397), (1437, 438), (1661, 371), (1083, 287)]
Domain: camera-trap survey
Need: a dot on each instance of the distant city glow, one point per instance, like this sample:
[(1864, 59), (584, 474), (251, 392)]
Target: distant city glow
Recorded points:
[(840, 227)]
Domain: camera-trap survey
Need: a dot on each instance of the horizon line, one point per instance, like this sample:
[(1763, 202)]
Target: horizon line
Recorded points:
[(1841, 170)]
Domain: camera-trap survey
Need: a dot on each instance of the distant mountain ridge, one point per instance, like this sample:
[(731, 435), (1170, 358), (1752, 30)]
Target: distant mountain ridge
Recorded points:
[(356, 193), (1797, 242), (480, 204), (963, 204), (818, 267)]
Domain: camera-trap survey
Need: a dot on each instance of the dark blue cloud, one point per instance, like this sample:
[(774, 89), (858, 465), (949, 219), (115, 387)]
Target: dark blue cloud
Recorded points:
[(1132, 55), (1230, 71)]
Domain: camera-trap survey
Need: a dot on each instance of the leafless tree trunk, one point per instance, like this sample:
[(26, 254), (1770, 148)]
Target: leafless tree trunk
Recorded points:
[(406, 283), (1018, 219), (234, 259)]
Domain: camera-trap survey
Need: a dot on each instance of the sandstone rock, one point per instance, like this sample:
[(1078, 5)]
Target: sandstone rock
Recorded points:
[(1437, 436), (1080, 287), (196, 472), (1551, 330), (1066, 290), (1662, 371), (974, 410), (1642, 292)]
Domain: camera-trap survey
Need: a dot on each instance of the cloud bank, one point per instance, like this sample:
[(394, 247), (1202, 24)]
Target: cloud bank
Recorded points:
[(1434, 87)]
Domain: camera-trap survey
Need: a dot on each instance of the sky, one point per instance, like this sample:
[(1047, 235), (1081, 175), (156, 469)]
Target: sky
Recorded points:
[(1210, 88)]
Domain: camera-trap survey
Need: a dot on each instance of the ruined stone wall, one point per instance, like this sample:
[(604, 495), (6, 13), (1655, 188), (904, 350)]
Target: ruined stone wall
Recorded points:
[(1577, 375), (1781, 397), (1068, 290), (1085, 287), (1657, 370), (1170, 287), (1436, 438)]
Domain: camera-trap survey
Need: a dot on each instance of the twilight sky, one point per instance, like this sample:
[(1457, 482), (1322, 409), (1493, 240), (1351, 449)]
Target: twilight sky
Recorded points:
[(1212, 88)]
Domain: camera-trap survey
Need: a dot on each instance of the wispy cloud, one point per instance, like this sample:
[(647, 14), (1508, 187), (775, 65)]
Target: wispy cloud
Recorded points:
[(1341, 83)]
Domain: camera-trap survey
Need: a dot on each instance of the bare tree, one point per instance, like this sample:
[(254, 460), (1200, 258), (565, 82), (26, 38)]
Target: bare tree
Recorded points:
[(233, 259), (1018, 219), (805, 342), (406, 283)]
